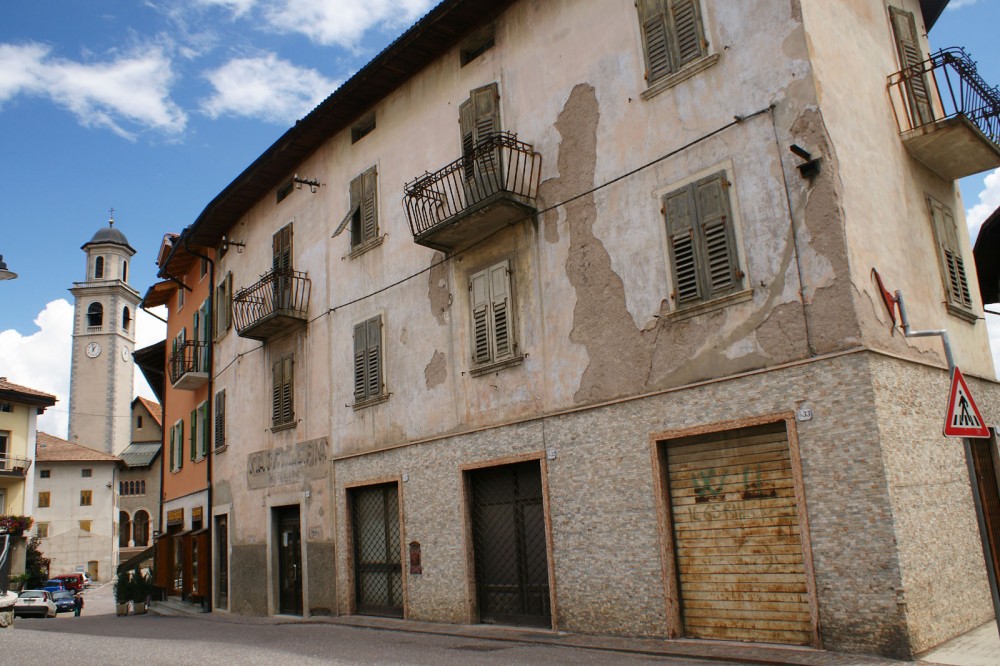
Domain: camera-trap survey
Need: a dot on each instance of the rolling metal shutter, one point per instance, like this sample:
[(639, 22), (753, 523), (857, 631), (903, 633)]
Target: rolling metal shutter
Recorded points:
[(738, 547)]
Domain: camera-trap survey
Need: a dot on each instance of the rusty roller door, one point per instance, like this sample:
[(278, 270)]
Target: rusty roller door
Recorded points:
[(740, 564)]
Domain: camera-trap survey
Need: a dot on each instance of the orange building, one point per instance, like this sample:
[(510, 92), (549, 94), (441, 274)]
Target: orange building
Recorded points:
[(182, 546)]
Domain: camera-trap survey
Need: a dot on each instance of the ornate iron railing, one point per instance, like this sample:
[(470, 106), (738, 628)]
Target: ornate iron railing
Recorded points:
[(279, 292), (191, 356), (946, 85), (14, 465), (498, 163)]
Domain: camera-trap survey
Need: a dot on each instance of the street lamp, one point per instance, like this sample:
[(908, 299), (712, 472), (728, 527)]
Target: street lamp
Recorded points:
[(4, 273)]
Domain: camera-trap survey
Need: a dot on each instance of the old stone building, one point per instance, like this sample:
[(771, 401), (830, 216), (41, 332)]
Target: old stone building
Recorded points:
[(617, 364), (140, 480)]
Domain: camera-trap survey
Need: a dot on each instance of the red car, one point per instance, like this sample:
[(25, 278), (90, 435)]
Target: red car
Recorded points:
[(73, 581)]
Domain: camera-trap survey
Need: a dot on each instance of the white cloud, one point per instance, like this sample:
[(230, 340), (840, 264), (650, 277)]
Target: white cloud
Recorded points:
[(989, 201), (41, 360), (341, 22), (132, 89), (955, 4), (236, 7), (265, 87)]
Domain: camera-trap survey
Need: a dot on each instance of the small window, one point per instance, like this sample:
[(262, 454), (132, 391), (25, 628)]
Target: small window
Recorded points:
[(177, 446), (7, 407), (43, 530), (121, 487), (362, 217), (204, 428), (284, 190), (95, 315), (956, 283), (86, 472), (44, 473), (43, 500), (142, 487), (363, 127), (701, 241), (98, 268), (86, 498), (282, 381), (672, 35), (85, 526), (138, 422), (492, 308), (126, 319), (368, 360), (124, 270), (220, 420), (222, 304), (203, 270), (180, 297), (477, 45)]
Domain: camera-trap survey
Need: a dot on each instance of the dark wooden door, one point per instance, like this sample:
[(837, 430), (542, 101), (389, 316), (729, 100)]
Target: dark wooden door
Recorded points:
[(510, 549), (378, 571), (289, 561), (986, 479)]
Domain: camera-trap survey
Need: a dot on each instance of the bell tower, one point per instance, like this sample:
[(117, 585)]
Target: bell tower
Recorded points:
[(100, 390)]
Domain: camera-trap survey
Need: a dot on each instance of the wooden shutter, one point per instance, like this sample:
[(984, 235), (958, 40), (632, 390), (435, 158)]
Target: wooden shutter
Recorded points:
[(373, 372), (353, 217), (220, 419), (194, 434), (276, 394), (482, 351), (180, 444), (718, 260), (282, 248), (287, 388), (738, 545), (205, 428), (653, 22), (173, 454), (952, 264), (500, 306), (686, 29), (467, 125), (360, 361), (369, 211), (679, 209), (487, 104), (904, 27)]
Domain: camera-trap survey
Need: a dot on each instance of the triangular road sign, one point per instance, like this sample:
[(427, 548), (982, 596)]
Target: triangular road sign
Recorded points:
[(963, 417)]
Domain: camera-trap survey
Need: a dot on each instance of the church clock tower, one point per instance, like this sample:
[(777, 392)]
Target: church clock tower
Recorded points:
[(100, 391)]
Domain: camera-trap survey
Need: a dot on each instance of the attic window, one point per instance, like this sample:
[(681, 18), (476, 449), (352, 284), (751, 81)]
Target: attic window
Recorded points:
[(285, 190), (363, 127), (6, 406), (477, 45)]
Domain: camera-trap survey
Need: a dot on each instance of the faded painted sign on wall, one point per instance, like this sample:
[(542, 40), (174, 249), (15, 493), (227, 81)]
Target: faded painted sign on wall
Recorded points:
[(288, 464)]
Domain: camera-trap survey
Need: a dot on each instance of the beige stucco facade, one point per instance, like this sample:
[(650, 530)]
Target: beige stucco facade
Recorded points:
[(19, 410), (609, 368)]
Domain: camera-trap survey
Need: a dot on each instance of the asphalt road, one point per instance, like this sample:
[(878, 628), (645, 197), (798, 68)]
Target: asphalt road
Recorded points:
[(100, 637)]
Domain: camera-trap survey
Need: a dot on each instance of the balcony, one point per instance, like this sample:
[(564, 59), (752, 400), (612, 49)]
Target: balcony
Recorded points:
[(189, 365), (949, 118), (277, 303), (493, 185), (13, 466)]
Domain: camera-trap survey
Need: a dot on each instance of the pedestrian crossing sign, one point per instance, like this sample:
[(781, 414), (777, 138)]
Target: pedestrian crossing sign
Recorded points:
[(963, 418)]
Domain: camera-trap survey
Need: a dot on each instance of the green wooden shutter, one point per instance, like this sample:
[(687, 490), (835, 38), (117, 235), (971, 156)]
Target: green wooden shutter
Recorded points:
[(173, 453), (653, 21), (718, 260), (686, 29), (481, 347), (194, 434), (500, 310), (369, 203), (679, 210), (180, 444), (373, 372), (360, 361), (220, 419), (287, 388), (205, 433), (904, 27)]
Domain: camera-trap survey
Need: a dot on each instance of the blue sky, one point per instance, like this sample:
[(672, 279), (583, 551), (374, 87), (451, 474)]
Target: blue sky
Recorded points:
[(152, 107)]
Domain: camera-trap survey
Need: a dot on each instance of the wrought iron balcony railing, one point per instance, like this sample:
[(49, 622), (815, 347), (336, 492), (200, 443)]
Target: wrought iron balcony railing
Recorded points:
[(497, 169), (276, 302), (942, 92), (14, 466), (189, 364)]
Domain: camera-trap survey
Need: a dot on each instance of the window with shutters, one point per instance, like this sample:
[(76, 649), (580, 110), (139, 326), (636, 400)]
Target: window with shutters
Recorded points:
[(904, 28), (673, 40), (701, 241), (492, 306), (282, 394), (369, 387), (479, 120), (220, 420), (956, 284), (222, 305), (177, 446), (362, 216), (199, 431)]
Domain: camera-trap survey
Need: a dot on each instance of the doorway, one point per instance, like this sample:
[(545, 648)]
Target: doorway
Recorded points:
[(378, 572), (289, 560)]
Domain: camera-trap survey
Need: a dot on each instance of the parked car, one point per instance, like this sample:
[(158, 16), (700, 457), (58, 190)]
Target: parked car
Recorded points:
[(88, 581), (35, 602), (53, 585), (64, 600), (72, 581)]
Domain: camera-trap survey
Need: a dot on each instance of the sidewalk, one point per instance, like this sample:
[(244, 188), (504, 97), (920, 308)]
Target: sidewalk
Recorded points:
[(980, 647)]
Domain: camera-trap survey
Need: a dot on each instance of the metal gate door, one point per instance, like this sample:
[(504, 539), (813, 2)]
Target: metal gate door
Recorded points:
[(378, 572), (986, 478), (737, 542), (508, 533)]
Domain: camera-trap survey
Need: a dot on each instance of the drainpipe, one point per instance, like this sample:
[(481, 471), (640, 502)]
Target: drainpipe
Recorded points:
[(210, 598)]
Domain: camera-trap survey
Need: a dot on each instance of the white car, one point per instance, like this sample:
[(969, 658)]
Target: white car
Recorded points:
[(38, 603)]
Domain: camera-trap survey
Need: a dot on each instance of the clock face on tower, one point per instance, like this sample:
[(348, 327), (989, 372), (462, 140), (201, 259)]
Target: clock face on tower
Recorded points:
[(124, 354), (93, 350)]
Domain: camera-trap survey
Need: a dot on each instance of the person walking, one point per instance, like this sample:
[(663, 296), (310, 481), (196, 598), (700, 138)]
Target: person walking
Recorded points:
[(77, 604)]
